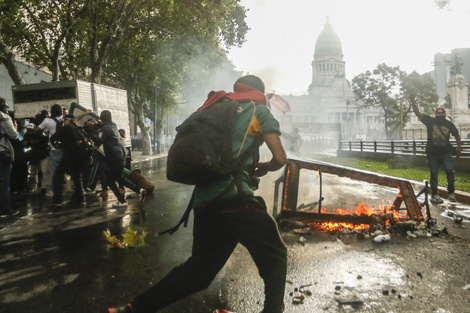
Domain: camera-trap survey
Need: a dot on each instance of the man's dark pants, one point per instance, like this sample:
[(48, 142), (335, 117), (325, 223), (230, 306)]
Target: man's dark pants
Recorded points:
[(113, 176), (434, 162), (236, 221)]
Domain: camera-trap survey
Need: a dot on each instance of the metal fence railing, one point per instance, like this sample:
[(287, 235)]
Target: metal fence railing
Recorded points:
[(407, 147)]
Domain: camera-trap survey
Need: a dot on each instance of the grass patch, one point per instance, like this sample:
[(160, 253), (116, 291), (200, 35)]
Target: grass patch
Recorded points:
[(398, 169)]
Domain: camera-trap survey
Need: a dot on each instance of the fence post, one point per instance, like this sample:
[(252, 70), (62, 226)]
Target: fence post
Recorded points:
[(350, 145), (362, 145), (375, 146), (414, 147), (392, 147)]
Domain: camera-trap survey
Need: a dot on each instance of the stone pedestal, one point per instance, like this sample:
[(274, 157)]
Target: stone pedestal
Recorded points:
[(457, 88)]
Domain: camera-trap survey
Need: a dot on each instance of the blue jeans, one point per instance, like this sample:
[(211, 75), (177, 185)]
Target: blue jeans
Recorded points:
[(5, 200), (447, 163), (68, 163), (56, 156)]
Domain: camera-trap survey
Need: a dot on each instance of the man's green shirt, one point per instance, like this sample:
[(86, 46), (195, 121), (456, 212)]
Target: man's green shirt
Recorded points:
[(252, 121)]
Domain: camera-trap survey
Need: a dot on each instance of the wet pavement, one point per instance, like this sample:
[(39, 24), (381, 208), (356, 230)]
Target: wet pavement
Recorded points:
[(56, 259)]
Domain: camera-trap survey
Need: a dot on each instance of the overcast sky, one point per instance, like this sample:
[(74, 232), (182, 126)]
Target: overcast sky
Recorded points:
[(407, 33)]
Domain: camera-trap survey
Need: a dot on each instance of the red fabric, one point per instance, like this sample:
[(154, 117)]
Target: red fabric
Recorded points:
[(242, 93), (277, 101)]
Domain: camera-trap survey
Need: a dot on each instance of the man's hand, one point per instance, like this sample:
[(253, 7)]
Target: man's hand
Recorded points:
[(458, 153), (262, 169), (414, 105)]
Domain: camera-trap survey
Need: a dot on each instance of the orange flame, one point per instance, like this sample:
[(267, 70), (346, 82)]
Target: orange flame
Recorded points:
[(361, 209)]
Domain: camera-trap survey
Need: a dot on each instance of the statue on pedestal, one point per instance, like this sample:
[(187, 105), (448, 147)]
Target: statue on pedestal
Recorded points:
[(458, 65)]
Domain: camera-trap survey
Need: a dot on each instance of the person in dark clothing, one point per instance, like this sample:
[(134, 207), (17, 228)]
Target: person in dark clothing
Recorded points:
[(37, 156), (71, 162), (232, 208), (19, 171), (40, 117), (90, 127), (439, 150), (115, 156)]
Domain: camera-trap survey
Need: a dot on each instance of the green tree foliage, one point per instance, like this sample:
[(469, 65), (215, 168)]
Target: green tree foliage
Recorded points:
[(146, 46), (156, 61), (42, 32), (388, 89), (423, 88)]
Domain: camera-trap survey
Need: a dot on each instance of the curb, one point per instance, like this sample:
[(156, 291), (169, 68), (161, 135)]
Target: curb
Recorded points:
[(461, 196)]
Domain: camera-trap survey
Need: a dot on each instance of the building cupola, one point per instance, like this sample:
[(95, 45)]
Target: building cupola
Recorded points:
[(328, 63)]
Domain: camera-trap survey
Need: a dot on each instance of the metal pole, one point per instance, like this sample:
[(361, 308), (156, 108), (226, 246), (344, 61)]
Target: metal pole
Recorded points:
[(155, 123)]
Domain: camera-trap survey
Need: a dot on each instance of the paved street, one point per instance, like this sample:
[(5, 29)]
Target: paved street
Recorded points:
[(57, 260)]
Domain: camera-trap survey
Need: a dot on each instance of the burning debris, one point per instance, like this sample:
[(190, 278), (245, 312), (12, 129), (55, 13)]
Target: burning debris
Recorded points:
[(364, 221)]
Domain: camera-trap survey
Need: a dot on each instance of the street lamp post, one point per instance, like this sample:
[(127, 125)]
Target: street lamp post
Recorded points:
[(347, 119)]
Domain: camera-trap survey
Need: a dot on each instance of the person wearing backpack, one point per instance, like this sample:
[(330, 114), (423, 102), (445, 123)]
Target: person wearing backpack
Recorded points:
[(49, 126), (38, 143), (73, 141), (228, 205), (439, 150)]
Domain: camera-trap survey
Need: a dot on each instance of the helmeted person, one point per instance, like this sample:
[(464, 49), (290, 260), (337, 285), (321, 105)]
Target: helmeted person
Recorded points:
[(7, 156), (229, 205), (439, 150)]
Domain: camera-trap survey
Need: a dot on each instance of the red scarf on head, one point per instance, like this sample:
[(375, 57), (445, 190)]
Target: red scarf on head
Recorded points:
[(242, 93)]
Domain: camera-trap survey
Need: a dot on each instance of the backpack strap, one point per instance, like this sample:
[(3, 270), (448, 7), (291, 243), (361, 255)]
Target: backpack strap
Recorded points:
[(183, 220), (241, 160)]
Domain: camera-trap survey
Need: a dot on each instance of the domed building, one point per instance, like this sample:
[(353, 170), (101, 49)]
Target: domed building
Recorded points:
[(329, 112)]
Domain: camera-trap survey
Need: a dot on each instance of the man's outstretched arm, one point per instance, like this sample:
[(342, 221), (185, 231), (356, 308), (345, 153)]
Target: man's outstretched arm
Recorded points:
[(273, 141), (416, 110)]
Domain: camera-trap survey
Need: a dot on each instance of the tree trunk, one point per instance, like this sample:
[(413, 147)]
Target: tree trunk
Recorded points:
[(8, 59), (146, 143)]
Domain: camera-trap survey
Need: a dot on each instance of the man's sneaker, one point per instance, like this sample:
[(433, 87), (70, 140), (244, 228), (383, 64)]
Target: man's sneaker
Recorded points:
[(436, 199), (142, 194), (119, 204), (452, 197), (123, 309), (88, 191)]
